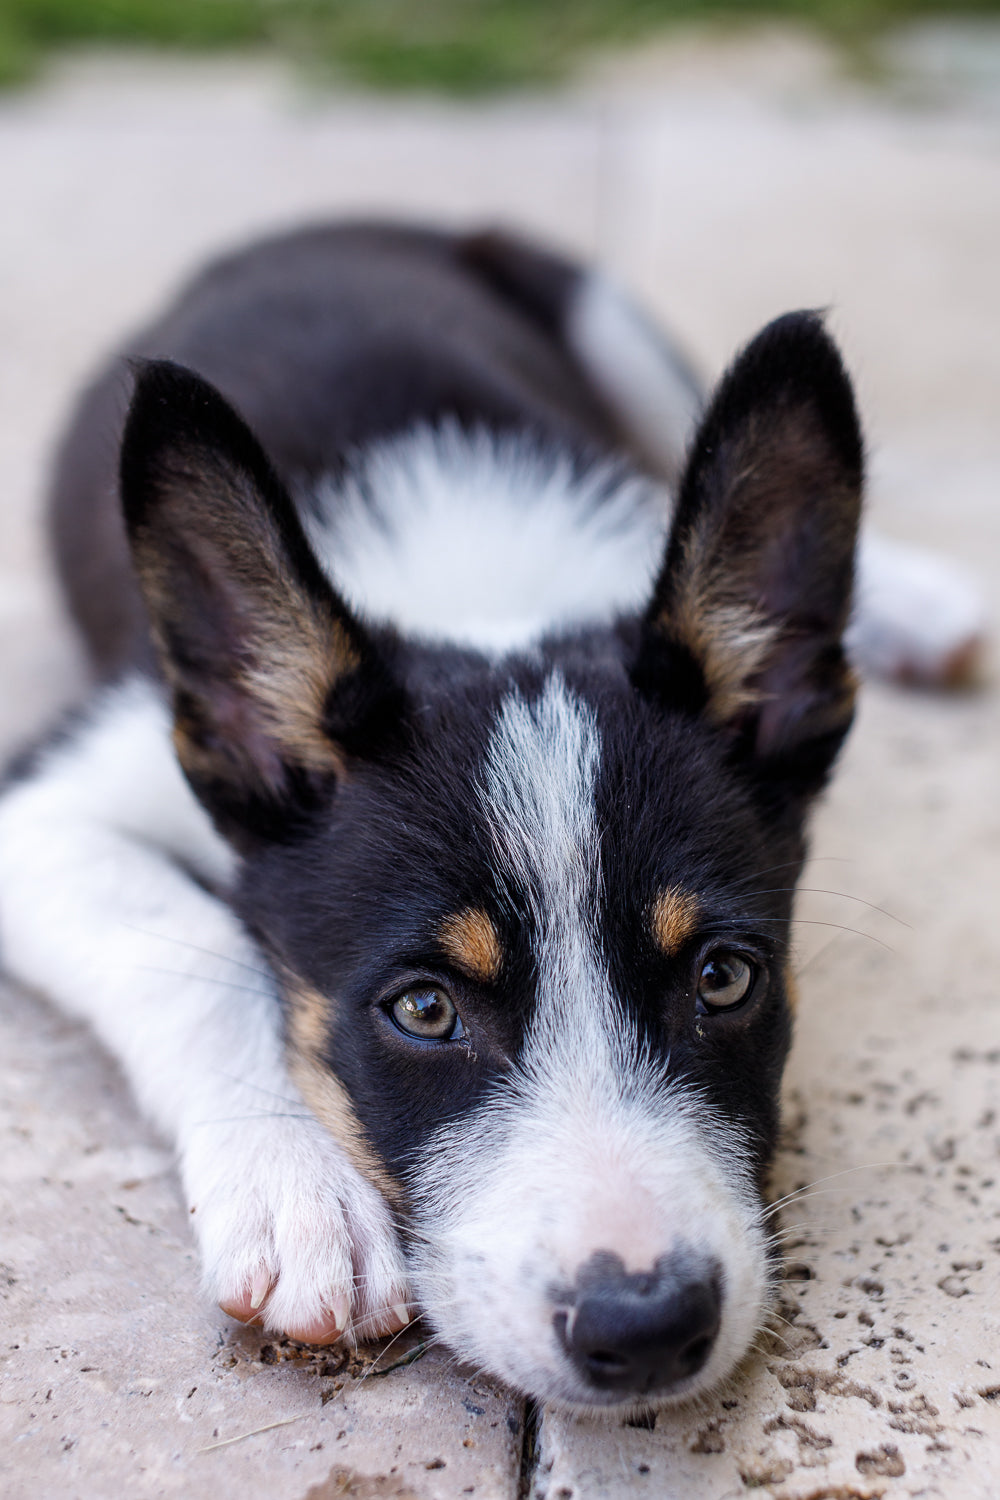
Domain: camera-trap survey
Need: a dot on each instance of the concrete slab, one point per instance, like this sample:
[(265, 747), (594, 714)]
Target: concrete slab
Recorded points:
[(726, 185), (117, 1377)]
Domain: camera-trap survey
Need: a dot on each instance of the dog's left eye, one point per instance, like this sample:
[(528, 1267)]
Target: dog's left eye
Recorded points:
[(725, 981), (428, 1013)]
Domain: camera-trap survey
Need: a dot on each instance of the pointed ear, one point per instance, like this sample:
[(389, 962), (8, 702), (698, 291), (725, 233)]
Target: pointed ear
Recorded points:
[(755, 590), (272, 678)]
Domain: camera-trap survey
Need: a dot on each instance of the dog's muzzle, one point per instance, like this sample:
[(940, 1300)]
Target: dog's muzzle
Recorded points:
[(643, 1333)]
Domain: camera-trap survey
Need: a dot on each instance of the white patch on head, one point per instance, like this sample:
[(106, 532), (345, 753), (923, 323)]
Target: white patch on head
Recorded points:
[(588, 1145), (486, 540), (633, 367), (539, 798)]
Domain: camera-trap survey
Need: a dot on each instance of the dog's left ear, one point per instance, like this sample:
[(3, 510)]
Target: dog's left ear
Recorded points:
[(750, 606)]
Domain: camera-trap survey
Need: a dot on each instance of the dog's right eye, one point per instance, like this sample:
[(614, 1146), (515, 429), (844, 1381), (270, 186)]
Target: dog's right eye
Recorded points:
[(428, 1013)]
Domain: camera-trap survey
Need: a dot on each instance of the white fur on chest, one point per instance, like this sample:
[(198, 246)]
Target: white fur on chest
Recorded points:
[(487, 541)]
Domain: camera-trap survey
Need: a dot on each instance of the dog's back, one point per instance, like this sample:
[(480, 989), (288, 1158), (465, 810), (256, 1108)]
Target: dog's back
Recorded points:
[(337, 338)]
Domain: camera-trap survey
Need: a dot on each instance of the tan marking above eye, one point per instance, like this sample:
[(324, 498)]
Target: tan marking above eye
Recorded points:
[(470, 941), (674, 918)]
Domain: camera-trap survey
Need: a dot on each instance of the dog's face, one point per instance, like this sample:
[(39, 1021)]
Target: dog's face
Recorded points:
[(531, 918), (543, 968)]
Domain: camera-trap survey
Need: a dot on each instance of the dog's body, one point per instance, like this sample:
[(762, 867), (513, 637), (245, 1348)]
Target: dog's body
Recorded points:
[(487, 801)]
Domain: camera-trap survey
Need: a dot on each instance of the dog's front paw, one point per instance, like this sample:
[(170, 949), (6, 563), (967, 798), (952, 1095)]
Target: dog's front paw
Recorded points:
[(292, 1237)]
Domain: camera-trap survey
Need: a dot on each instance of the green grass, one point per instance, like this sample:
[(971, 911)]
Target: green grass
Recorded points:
[(451, 46)]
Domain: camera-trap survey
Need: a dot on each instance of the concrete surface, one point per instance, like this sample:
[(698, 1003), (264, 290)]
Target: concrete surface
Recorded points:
[(726, 182)]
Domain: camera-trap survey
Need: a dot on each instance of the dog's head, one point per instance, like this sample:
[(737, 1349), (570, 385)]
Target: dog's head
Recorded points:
[(531, 917)]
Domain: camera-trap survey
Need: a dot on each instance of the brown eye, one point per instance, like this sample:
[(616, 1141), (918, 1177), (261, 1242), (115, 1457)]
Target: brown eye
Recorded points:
[(428, 1013), (725, 982)]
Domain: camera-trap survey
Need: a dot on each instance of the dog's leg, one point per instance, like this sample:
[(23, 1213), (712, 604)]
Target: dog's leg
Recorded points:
[(99, 908), (918, 617), (640, 376)]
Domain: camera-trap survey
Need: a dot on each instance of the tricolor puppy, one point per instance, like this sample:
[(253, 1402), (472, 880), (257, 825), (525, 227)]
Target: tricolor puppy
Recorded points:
[(426, 855)]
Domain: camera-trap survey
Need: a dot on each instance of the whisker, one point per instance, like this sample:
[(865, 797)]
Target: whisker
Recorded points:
[(362, 1279), (804, 1226), (758, 1344), (410, 1231), (228, 984), (809, 1187), (226, 958), (788, 864), (258, 1088), (801, 1197), (815, 957), (409, 1358), (817, 890), (815, 922), (242, 1119)]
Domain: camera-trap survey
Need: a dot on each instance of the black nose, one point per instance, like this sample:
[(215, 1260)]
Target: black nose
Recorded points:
[(646, 1331)]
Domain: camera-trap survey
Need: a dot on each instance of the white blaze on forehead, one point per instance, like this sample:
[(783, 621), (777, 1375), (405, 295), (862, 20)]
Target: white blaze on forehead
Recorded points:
[(539, 796), (587, 1144)]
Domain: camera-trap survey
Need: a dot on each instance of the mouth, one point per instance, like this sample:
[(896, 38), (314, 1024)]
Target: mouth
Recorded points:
[(635, 1411), (611, 1342), (594, 1253)]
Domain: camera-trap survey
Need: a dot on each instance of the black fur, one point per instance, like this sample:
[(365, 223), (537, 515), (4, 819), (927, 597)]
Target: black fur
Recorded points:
[(324, 340), (405, 844), (371, 863)]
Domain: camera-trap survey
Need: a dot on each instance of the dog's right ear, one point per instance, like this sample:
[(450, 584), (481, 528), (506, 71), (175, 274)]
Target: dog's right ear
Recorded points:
[(274, 682)]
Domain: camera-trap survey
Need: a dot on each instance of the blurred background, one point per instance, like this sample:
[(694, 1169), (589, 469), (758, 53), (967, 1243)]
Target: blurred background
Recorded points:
[(463, 47), (727, 161)]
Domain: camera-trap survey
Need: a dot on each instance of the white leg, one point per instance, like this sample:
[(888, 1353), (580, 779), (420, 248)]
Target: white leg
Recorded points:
[(95, 910), (918, 617)]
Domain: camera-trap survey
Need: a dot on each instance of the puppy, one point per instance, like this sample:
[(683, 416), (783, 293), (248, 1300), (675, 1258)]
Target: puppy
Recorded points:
[(426, 852)]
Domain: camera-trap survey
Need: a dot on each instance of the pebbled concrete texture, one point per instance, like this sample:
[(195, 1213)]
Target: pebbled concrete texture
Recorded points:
[(725, 182), (115, 1373), (882, 1375)]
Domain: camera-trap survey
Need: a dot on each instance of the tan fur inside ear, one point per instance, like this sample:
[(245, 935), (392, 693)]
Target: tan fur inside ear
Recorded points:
[(740, 578), (674, 919), (730, 641), (262, 681), (296, 671), (470, 941), (308, 1013), (289, 690)]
